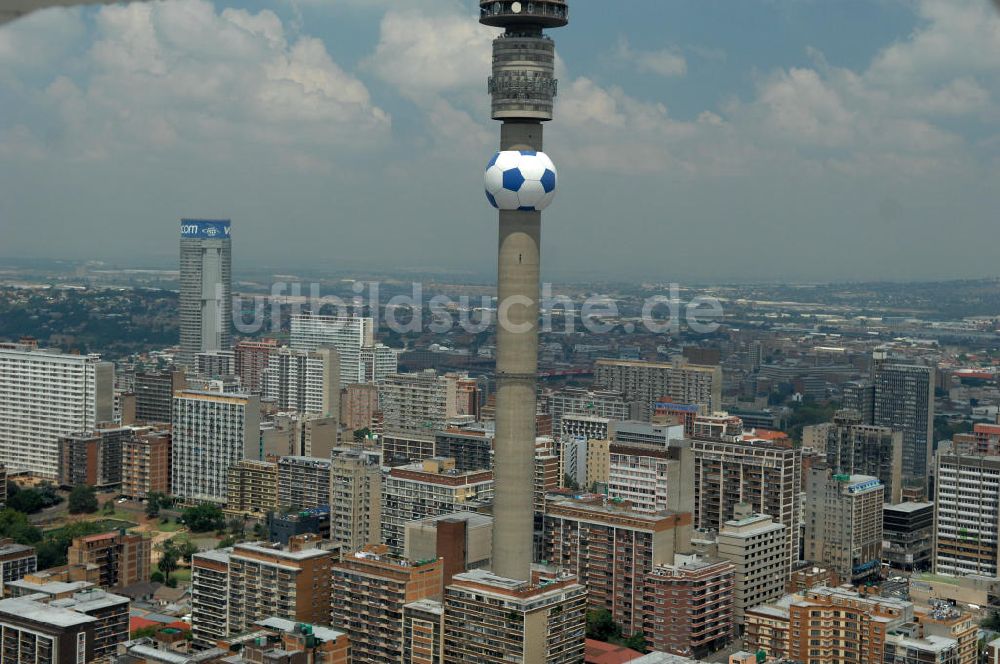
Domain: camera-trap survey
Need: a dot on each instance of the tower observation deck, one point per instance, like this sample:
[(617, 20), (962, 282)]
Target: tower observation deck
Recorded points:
[(520, 182)]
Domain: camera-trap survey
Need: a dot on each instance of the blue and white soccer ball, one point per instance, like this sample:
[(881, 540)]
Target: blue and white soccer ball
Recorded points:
[(520, 180)]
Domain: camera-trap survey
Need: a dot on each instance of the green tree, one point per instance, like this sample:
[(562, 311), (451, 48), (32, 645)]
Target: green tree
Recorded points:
[(204, 517), (186, 550), (15, 525), (601, 625), (636, 642), (168, 559), (156, 577), (109, 507), (361, 434), (991, 622), (27, 501), (83, 500), (570, 483)]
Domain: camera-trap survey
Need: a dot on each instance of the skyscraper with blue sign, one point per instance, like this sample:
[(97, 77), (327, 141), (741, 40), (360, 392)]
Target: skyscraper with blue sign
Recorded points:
[(206, 287)]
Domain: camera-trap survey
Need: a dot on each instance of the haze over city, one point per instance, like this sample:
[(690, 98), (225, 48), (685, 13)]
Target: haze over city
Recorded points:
[(757, 140)]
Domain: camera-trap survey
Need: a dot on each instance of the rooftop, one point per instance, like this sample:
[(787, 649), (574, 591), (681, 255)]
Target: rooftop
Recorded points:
[(29, 608), (283, 625)]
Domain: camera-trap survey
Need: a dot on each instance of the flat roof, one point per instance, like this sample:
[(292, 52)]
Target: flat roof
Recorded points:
[(319, 631), (907, 507), (29, 608)]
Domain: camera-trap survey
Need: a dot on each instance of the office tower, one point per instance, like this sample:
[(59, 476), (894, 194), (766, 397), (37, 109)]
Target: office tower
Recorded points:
[(355, 498), (154, 395), (430, 488), (652, 478), (423, 632), (908, 534), (304, 381), (859, 396), (378, 361), (146, 464), (764, 476), (16, 561), (86, 627), (303, 482), (463, 540), (472, 449), (649, 382), (252, 488), (417, 403), (93, 458), (843, 516), (211, 432), (358, 405), (233, 588), (251, 358), (758, 547), (369, 592), (610, 548), (45, 395), (597, 403), (904, 400), (966, 513), (688, 606), (121, 558), (206, 288), (492, 619), (854, 448), (348, 334), (522, 87)]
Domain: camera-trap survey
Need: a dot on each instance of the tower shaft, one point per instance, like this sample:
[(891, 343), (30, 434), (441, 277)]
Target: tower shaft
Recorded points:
[(522, 87)]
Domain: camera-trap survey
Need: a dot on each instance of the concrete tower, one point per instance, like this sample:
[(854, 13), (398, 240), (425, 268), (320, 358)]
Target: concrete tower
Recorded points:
[(520, 182), (206, 288)]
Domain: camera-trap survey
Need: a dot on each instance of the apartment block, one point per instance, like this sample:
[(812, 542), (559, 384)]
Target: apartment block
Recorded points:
[(418, 403), (347, 334), (122, 559), (45, 395), (233, 588), (16, 561), (758, 547), (652, 478), (492, 619), (598, 403), (211, 432), (610, 548), (279, 641), (93, 458), (649, 382), (303, 482), (855, 448), (463, 540), (766, 477), (154, 395), (378, 361), (358, 405), (429, 488), (146, 460), (472, 449), (251, 360), (252, 488), (370, 591), (966, 513), (688, 606), (843, 519), (423, 632), (355, 498), (304, 381), (904, 401)]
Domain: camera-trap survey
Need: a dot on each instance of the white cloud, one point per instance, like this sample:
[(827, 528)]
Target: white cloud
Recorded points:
[(664, 62)]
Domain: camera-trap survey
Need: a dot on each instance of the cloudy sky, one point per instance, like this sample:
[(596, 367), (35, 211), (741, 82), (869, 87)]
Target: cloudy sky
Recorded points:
[(695, 139)]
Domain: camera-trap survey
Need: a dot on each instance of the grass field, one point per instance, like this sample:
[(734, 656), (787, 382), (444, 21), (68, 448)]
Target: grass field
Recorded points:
[(183, 575), (171, 527)]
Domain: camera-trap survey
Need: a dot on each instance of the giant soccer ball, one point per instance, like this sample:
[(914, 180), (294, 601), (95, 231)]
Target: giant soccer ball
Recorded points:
[(520, 180)]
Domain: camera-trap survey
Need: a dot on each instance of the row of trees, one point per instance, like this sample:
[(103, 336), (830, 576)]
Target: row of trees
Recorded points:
[(51, 547)]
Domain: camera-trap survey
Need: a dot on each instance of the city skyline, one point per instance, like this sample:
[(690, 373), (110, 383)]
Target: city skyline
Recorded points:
[(865, 134)]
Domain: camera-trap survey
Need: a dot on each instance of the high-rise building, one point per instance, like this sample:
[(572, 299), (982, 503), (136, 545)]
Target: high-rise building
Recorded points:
[(610, 548), (855, 448), (859, 396), (251, 360), (86, 627), (304, 381), (758, 547), (843, 517), (211, 432), (252, 488), (588, 427), (215, 364), (464, 540), (16, 561), (688, 606), (908, 535), (206, 288), (355, 498), (493, 620), (766, 477), (348, 334), (418, 403), (369, 593), (648, 382), (598, 403), (146, 464), (522, 87), (93, 458), (358, 405), (472, 449), (430, 488), (423, 632), (45, 395), (652, 478), (122, 559), (904, 401), (154, 395), (233, 588), (378, 361), (966, 513), (303, 482)]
